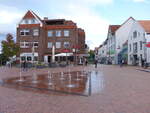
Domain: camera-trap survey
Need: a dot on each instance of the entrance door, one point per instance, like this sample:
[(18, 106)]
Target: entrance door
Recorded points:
[(49, 59), (135, 60)]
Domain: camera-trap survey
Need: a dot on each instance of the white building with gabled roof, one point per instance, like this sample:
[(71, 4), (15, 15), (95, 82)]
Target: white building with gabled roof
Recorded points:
[(146, 26), (122, 35)]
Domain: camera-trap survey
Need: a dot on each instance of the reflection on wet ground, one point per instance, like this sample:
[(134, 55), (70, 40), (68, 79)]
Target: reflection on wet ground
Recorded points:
[(97, 81), (75, 82)]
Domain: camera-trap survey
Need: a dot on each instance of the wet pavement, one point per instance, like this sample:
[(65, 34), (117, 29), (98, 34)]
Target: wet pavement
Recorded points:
[(83, 83), (120, 90)]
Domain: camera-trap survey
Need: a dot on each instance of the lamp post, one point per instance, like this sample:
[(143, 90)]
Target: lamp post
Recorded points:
[(33, 50), (75, 51), (74, 55), (53, 54)]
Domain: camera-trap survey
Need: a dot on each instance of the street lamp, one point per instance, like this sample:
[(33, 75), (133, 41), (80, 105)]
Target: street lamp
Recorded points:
[(33, 50), (74, 52)]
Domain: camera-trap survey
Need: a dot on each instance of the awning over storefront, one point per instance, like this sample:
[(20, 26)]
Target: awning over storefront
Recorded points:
[(148, 45), (64, 54), (28, 54), (83, 55)]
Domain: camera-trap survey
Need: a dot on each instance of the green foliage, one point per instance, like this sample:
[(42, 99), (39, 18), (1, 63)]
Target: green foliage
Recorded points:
[(92, 56), (9, 47), (3, 59)]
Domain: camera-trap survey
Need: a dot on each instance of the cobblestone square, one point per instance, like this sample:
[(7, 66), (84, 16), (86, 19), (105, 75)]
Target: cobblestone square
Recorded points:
[(125, 90)]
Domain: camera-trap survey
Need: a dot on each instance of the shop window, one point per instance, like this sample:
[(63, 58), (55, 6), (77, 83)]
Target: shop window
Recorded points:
[(29, 58)]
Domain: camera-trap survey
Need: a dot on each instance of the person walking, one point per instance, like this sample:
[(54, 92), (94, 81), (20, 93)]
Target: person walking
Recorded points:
[(86, 62), (145, 64), (142, 62), (24, 66), (95, 62), (121, 62)]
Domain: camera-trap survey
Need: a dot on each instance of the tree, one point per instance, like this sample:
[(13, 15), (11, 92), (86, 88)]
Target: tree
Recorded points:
[(92, 55), (9, 47), (3, 59)]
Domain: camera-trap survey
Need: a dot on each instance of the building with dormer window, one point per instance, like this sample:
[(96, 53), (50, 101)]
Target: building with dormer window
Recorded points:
[(37, 37)]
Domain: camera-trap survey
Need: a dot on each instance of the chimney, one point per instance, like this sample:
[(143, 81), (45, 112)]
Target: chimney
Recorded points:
[(45, 18)]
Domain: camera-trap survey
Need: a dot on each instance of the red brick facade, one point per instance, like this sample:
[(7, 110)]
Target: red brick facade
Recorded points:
[(46, 32)]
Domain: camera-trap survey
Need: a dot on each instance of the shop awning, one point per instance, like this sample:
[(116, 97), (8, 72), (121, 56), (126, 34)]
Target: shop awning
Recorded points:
[(148, 45), (29, 54), (64, 54)]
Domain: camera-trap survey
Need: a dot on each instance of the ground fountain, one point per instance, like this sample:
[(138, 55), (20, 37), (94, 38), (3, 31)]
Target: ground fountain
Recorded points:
[(83, 72), (62, 76), (78, 79), (20, 77), (79, 82), (34, 78), (49, 79), (70, 85)]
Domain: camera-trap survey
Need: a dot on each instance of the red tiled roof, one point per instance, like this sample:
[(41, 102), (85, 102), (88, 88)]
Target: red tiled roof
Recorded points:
[(145, 24), (30, 15), (37, 16), (113, 28)]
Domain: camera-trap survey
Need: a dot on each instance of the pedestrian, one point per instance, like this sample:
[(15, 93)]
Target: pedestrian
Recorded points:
[(145, 64), (24, 66), (142, 62), (95, 63), (121, 62), (86, 62)]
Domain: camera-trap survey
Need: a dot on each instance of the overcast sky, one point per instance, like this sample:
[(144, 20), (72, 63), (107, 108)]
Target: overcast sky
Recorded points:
[(93, 16)]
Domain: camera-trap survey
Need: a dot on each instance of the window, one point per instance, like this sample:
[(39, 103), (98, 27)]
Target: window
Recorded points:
[(35, 32), (141, 44), (24, 44), (130, 47), (138, 34), (49, 44), (24, 32), (141, 56), (66, 33), (29, 58), (66, 44), (26, 21), (27, 44), (58, 45), (134, 34), (36, 44), (33, 21), (58, 33), (21, 44), (50, 33), (135, 47)]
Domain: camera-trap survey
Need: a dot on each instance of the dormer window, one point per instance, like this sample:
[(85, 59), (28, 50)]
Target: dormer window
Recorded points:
[(26, 21), (33, 21)]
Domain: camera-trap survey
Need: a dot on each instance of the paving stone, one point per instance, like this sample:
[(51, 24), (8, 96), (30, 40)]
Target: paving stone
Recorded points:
[(126, 90)]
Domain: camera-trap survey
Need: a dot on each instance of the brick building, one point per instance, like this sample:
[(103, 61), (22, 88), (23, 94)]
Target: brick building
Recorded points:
[(37, 37)]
